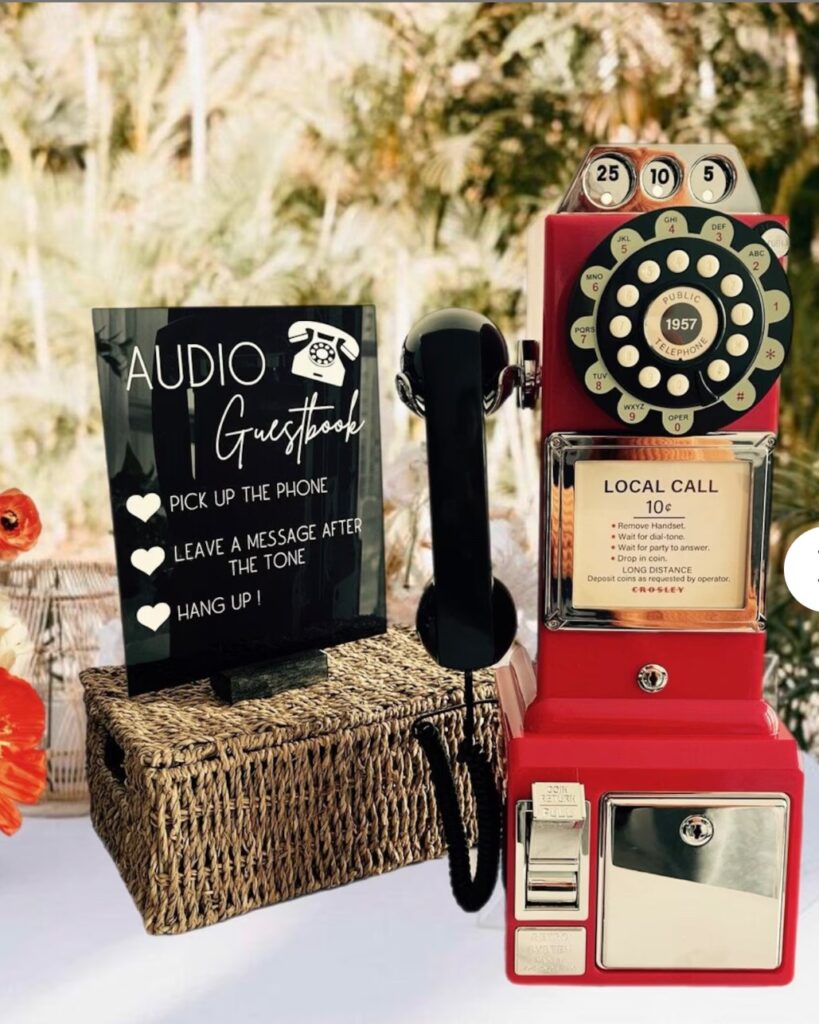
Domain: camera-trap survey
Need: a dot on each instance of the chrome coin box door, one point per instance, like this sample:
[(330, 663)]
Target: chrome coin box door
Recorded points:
[(693, 881)]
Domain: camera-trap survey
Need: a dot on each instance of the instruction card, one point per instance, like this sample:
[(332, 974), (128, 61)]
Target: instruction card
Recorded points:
[(661, 534)]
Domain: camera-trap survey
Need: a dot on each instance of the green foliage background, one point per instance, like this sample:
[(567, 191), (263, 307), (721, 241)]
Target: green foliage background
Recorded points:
[(274, 153)]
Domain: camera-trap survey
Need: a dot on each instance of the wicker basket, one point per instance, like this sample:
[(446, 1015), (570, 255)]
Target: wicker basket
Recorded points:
[(212, 810)]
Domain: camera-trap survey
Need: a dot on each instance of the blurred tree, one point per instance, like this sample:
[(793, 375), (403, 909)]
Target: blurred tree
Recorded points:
[(270, 153)]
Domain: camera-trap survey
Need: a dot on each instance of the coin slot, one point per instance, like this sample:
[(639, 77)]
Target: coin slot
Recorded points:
[(609, 181), (661, 178), (712, 179)]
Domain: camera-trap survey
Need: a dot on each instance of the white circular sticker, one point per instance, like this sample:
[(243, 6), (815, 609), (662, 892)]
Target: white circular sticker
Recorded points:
[(802, 569)]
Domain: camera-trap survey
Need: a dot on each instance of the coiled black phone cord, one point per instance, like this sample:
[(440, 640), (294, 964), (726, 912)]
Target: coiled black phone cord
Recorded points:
[(470, 893)]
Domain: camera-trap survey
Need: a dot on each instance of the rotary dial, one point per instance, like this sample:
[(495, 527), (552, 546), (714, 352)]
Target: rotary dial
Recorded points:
[(680, 321), (321, 353)]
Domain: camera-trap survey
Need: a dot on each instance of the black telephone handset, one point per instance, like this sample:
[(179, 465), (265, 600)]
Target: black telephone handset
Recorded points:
[(454, 369)]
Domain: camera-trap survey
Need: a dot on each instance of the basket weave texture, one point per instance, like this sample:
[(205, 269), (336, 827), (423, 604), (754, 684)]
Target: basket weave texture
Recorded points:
[(212, 810)]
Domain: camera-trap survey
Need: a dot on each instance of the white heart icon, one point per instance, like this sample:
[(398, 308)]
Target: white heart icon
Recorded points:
[(148, 560), (143, 506), (153, 616)]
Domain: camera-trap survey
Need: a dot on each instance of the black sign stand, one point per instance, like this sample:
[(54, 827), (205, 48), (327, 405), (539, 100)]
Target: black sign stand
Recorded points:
[(268, 678)]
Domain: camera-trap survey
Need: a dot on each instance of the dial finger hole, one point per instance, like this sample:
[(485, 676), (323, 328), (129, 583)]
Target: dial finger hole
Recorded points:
[(742, 314), (628, 295), (620, 326), (708, 266), (736, 345), (731, 285), (718, 370), (648, 271), (628, 355), (677, 384), (677, 261), (649, 376)]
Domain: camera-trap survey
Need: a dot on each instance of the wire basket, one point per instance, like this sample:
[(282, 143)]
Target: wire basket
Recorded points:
[(63, 605)]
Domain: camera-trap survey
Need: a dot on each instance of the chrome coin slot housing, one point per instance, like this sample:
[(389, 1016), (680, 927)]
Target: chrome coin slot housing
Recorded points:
[(552, 853)]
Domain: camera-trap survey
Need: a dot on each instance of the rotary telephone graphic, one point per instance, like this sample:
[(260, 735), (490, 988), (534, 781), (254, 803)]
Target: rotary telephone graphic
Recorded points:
[(319, 359), (680, 320), (653, 800)]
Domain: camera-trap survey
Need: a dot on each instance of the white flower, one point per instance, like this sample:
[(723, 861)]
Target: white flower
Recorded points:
[(15, 646)]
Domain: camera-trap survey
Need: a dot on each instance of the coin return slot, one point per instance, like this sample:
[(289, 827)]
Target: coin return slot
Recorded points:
[(552, 853)]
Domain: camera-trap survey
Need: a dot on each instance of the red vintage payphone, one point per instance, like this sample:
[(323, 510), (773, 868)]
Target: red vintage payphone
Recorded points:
[(653, 799)]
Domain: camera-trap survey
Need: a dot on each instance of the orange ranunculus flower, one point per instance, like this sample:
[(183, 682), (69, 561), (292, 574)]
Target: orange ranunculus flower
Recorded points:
[(20, 524), (22, 766)]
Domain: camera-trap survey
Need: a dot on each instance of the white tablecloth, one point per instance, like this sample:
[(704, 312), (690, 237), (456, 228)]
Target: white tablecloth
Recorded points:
[(389, 949)]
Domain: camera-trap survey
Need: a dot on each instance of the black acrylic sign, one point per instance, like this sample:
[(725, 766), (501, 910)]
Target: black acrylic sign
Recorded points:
[(244, 464)]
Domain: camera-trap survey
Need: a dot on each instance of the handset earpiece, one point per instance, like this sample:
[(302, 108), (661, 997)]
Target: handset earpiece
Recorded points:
[(455, 368), (350, 347)]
